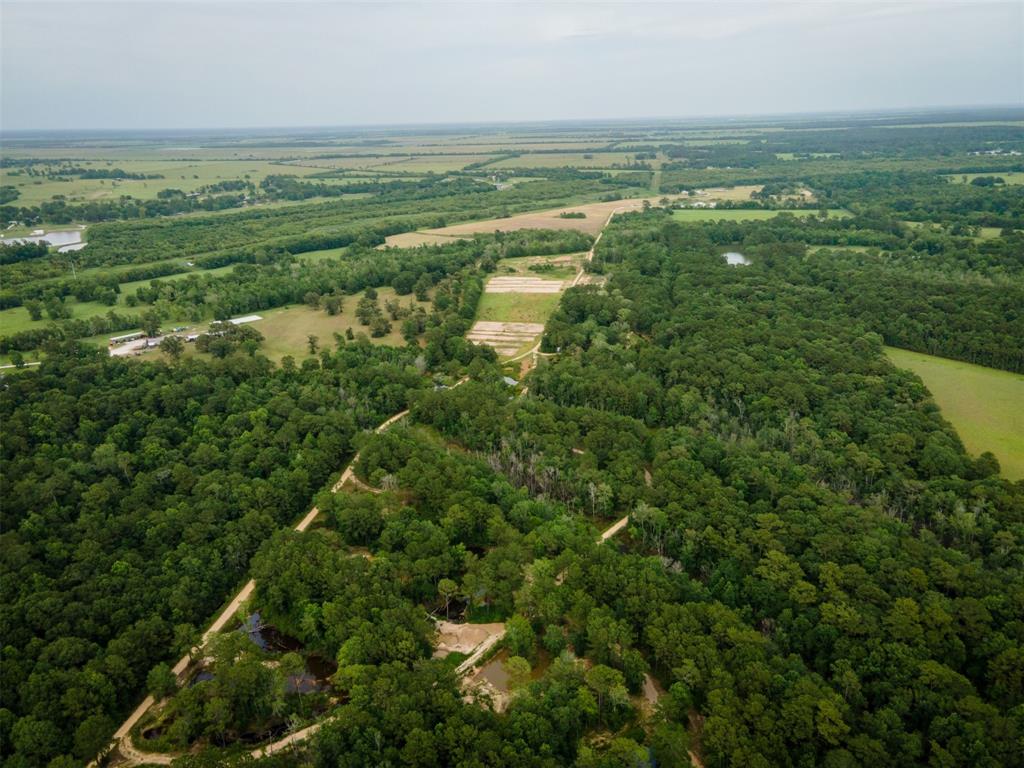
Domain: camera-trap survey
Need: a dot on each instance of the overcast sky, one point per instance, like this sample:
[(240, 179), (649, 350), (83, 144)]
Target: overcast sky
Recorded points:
[(184, 64)]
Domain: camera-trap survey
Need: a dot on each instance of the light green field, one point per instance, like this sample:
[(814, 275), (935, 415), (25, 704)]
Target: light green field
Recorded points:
[(286, 330), (330, 253), (17, 319), (985, 405), (1010, 177), (739, 214), (987, 233), (517, 307), (183, 175)]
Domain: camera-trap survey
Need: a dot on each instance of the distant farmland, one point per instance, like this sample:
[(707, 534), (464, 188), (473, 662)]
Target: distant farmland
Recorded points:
[(745, 214)]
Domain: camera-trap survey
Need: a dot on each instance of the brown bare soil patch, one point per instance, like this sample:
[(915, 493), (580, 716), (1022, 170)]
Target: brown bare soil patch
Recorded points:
[(596, 216)]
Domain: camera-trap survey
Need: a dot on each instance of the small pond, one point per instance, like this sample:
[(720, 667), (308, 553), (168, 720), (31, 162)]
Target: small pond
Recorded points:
[(60, 238), (494, 672)]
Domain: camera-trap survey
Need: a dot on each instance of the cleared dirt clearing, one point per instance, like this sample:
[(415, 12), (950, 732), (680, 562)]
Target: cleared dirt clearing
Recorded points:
[(463, 638), (522, 285), (596, 216), (505, 338)]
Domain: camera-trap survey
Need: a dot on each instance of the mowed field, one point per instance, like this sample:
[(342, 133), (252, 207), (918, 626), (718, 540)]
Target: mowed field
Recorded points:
[(517, 307), (286, 330), (985, 405), (740, 214)]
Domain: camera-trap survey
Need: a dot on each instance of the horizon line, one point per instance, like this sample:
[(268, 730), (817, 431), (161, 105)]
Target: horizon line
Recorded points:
[(866, 112)]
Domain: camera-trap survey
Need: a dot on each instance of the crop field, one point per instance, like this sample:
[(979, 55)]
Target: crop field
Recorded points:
[(741, 214), (507, 338), (985, 405)]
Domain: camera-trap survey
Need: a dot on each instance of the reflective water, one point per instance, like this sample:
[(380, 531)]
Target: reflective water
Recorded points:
[(59, 237), (736, 259)]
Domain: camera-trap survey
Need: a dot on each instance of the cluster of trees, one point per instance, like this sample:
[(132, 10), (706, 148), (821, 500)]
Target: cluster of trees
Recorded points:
[(12, 253), (44, 337), (921, 289), (814, 571), (287, 187), (102, 173), (844, 575), (60, 211), (242, 691)]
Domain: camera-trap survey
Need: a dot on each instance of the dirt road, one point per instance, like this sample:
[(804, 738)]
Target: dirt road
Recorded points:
[(612, 530), (134, 757), (590, 253)]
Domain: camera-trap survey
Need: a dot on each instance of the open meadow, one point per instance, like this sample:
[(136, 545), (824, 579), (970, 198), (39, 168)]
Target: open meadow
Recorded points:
[(985, 405)]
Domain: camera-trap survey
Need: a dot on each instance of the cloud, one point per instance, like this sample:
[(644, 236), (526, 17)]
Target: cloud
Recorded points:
[(242, 63)]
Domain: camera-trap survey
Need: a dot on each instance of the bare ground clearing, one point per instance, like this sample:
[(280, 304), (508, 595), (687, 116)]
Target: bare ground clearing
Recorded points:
[(596, 216), (522, 285), (464, 638)]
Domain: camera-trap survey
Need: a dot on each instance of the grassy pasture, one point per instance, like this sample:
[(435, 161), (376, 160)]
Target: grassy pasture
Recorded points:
[(330, 253), (16, 319), (987, 233), (1010, 177), (985, 405), (517, 307), (186, 176), (739, 214), (286, 330)]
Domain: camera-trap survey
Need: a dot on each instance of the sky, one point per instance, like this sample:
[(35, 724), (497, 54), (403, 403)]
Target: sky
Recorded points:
[(192, 64)]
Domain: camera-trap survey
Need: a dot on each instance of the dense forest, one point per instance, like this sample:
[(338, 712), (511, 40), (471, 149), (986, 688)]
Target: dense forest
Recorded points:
[(136, 495), (811, 568)]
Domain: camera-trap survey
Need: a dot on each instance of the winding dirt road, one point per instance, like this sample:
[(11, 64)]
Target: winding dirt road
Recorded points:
[(122, 740)]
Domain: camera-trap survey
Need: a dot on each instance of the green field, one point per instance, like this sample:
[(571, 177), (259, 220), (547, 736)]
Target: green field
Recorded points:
[(1010, 177), (186, 176), (286, 330), (517, 307), (984, 404), (749, 214)]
